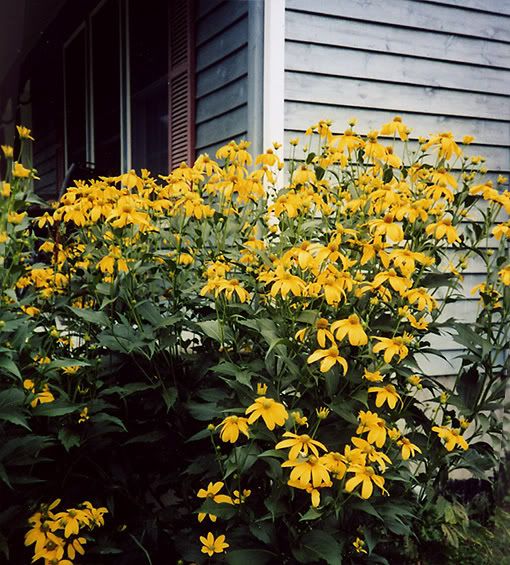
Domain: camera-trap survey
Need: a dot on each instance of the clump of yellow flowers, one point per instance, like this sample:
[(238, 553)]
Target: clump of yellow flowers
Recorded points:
[(58, 537), (297, 305)]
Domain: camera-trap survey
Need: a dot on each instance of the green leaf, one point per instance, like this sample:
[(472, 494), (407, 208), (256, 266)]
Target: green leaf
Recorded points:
[(251, 556), (8, 365), (216, 330), (4, 476), (387, 175), (57, 408), (127, 389), (103, 417), (169, 396), (150, 313), (150, 437), (92, 316), (311, 514), (11, 407), (68, 438), (324, 546)]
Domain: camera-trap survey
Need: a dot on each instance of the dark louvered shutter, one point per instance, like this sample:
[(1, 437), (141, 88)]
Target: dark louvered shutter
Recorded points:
[(181, 83)]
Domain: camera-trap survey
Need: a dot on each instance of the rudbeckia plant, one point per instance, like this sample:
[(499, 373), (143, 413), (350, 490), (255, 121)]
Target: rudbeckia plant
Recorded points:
[(233, 361)]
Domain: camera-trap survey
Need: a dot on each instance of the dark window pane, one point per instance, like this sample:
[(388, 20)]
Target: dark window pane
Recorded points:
[(75, 90), (106, 87), (148, 52)]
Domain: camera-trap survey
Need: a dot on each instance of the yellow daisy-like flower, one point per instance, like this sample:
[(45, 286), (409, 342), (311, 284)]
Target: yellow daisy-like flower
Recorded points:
[(212, 545), (387, 394), (359, 545), (352, 328), (231, 426), (273, 413), (373, 376), (329, 358), (408, 448), (309, 470), (504, 275), (212, 492), (24, 133), (451, 436), (393, 346), (364, 475), (19, 171), (300, 443)]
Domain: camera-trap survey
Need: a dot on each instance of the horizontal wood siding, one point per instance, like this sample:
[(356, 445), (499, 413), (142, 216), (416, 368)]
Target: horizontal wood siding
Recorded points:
[(222, 73), (443, 65)]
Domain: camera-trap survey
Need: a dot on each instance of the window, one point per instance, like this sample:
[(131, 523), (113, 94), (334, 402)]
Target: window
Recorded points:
[(148, 58)]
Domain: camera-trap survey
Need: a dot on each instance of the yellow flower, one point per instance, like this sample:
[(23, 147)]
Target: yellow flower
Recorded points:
[(299, 419), (367, 478), (375, 426), (367, 451), (336, 464), (329, 358), (393, 346), (303, 174), (233, 287), (18, 170), (468, 139), (8, 151), (231, 426), (14, 218), (387, 394), (443, 228), (24, 133), (374, 376), (504, 274), (6, 189), (31, 310), (239, 498), (451, 436), (211, 545), (323, 332), (273, 413), (408, 448), (388, 227), (300, 444), (394, 127), (283, 282), (84, 415), (212, 492), (422, 298), (322, 413), (261, 389), (43, 397), (352, 328), (28, 384), (445, 144), (359, 544), (414, 380), (306, 470)]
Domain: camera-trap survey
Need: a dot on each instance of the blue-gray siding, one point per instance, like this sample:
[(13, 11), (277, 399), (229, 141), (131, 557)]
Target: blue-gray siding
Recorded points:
[(222, 73)]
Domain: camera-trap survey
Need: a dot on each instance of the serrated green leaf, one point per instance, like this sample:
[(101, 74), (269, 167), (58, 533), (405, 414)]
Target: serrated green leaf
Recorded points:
[(68, 438), (324, 546), (97, 317)]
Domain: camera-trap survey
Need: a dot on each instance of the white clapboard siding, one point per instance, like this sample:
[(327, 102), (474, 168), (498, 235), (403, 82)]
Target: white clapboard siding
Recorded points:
[(390, 67), (407, 13), (221, 73), (369, 35), (396, 97), (491, 6)]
